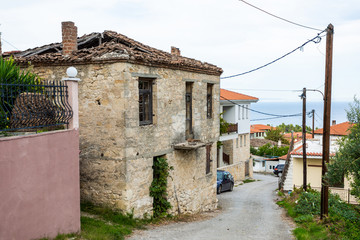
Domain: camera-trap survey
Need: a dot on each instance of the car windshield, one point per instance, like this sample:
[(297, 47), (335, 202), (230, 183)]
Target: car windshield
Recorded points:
[(281, 166), (220, 176)]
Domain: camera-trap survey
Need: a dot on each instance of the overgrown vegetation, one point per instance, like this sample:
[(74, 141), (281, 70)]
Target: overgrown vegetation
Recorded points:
[(10, 73), (347, 159), (249, 180), (224, 125), (304, 207), (269, 150), (158, 188)]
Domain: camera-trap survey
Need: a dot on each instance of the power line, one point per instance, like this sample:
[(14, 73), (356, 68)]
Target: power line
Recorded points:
[(268, 114), (9, 43), (267, 90), (316, 39), (297, 24), (318, 116), (261, 119)]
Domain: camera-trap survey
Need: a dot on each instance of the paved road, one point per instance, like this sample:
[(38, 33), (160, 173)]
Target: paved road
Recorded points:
[(249, 212)]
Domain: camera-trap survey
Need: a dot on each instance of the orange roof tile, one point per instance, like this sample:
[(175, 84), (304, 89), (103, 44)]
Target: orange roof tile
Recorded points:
[(297, 135), (262, 127), (298, 151), (230, 95), (340, 129)]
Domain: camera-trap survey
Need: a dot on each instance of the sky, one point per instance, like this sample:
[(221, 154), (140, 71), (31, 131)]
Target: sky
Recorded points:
[(229, 34)]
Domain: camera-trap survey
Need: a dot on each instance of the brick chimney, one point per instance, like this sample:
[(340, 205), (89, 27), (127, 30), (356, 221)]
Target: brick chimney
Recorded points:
[(175, 51), (69, 37), (333, 122)]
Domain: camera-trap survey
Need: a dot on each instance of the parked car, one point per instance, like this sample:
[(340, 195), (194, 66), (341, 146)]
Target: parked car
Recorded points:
[(279, 169), (225, 181)]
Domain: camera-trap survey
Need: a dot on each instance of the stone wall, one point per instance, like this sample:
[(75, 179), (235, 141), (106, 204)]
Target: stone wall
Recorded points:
[(237, 170), (239, 151), (117, 153)]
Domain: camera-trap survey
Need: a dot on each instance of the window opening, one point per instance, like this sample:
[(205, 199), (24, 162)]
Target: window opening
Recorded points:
[(209, 100), (145, 101), (208, 158), (188, 100)]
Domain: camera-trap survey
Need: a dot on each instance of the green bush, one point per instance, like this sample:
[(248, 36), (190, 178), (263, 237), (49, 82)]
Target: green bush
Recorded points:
[(308, 203), (343, 221)]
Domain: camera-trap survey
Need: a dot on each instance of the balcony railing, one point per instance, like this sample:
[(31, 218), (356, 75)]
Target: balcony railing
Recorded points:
[(232, 128)]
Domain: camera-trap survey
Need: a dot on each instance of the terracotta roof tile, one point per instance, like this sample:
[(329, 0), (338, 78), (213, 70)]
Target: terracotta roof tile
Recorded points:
[(297, 135), (110, 46), (340, 129), (260, 128), (230, 95), (298, 151)]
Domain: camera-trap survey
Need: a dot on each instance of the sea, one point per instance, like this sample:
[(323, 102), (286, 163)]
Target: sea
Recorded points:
[(338, 113)]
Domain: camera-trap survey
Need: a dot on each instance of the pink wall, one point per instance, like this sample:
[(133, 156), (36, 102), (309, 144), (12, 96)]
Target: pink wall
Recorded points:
[(39, 185)]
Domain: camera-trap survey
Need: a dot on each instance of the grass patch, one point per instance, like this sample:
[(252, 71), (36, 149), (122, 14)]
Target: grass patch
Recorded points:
[(98, 229), (343, 221), (249, 180), (102, 223)]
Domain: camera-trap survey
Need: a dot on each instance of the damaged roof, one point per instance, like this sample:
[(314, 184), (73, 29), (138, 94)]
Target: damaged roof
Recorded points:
[(110, 46)]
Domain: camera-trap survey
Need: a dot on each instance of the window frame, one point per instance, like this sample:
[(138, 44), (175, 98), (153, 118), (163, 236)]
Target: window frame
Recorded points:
[(142, 107), (208, 159), (209, 100)]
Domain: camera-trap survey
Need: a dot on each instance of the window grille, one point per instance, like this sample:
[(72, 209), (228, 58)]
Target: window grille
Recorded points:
[(209, 100), (145, 101)]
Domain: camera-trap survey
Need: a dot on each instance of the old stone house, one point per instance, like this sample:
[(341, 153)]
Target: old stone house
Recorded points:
[(137, 103)]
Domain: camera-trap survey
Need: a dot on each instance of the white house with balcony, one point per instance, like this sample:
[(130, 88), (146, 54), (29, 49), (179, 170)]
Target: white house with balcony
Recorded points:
[(234, 152)]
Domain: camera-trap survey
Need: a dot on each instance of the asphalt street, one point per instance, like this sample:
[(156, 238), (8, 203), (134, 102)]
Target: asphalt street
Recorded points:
[(249, 212)]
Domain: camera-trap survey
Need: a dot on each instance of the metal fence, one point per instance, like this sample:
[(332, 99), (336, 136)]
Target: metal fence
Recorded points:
[(344, 193), (33, 106)]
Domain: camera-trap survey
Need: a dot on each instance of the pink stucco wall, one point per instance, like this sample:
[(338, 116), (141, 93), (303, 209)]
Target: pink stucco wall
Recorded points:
[(39, 185)]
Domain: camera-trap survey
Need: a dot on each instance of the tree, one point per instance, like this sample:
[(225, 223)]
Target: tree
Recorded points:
[(286, 128), (347, 160), (270, 150), (275, 135)]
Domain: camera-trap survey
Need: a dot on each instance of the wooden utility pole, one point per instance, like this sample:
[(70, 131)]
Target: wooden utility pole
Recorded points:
[(303, 96), (326, 124), (313, 123)]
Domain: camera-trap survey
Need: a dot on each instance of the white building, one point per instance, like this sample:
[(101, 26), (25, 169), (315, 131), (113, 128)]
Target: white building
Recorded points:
[(234, 153)]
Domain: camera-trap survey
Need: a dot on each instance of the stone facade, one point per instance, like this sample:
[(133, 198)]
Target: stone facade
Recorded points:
[(238, 150), (117, 153)]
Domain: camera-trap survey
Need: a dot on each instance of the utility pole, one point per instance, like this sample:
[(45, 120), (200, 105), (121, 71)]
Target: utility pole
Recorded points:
[(326, 124), (303, 96), (313, 122)]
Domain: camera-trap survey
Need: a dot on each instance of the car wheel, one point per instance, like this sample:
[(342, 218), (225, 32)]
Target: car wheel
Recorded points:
[(231, 187), (219, 190)]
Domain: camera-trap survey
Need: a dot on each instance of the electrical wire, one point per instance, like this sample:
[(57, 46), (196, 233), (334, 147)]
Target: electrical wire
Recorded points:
[(267, 90), (9, 43), (261, 119), (318, 116), (268, 114), (315, 40), (273, 15)]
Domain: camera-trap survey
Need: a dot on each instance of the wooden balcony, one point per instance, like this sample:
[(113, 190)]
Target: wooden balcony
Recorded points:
[(232, 128)]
